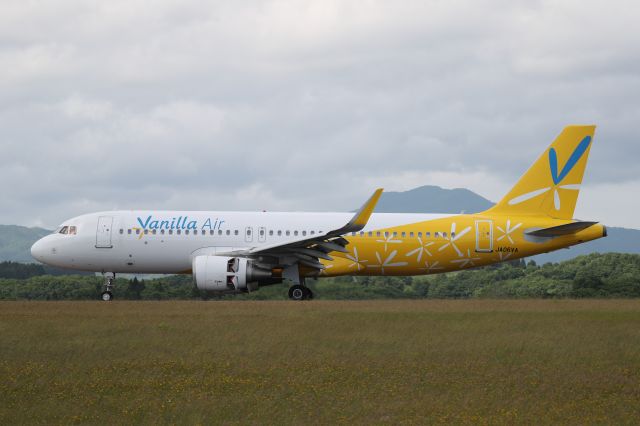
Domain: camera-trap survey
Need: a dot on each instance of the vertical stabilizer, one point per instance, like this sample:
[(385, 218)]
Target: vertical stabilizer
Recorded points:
[(551, 185)]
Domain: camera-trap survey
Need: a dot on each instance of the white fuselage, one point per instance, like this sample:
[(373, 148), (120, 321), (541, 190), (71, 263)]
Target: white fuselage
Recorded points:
[(165, 242)]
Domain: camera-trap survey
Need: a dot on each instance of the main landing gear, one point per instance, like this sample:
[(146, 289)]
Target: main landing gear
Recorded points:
[(107, 294), (300, 292)]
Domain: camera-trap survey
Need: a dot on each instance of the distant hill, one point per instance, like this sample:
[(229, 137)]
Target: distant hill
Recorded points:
[(15, 241), (432, 199)]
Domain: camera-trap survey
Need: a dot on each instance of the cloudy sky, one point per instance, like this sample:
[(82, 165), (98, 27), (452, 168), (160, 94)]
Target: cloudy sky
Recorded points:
[(294, 105)]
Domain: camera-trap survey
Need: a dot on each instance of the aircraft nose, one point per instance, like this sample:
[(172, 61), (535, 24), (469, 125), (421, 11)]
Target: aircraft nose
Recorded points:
[(38, 250)]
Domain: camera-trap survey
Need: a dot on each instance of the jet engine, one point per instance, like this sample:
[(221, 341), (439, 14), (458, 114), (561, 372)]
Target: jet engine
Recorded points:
[(228, 274)]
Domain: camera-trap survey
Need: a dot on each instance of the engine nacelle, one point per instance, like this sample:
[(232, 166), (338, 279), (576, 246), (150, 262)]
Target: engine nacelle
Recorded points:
[(227, 274)]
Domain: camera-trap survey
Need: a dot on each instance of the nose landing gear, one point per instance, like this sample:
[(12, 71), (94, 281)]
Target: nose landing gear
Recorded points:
[(107, 294)]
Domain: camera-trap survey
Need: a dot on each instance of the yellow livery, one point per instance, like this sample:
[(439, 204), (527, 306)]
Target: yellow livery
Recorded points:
[(534, 217)]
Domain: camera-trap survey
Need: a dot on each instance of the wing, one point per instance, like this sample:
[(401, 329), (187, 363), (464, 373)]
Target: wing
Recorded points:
[(309, 251)]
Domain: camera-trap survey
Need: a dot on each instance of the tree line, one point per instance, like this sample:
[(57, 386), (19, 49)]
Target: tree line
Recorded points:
[(594, 275)]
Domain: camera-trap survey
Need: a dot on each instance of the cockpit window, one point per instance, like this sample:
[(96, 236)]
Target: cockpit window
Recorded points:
[(68, 230)]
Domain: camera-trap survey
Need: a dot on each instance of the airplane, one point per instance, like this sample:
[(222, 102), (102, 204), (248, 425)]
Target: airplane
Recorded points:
[(238, 252)]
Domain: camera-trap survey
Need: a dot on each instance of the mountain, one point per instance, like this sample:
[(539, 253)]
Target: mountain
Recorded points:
[(15, 241), (432, 199)]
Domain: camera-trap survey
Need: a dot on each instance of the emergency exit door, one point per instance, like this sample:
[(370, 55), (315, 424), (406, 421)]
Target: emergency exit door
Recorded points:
[(103, 233), (484, 236)]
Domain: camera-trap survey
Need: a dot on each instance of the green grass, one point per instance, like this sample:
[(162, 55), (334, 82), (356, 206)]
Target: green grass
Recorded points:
[(474, 362)]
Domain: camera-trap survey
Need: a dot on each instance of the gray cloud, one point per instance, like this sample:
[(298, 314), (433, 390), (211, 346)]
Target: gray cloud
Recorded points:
[(305, 105)]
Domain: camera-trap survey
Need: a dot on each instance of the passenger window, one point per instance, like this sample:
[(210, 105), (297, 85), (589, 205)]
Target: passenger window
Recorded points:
[(362, 233), (162, 231), (453, 235), (228, 231), (411, 234), (137, 232), (154, 232), (211, 232), (386, 234), (279, 233), (395, 234), (404, 234), (121, 231), (295, 233), (170, 231), (313, 232), (370, 234), (186, 232), (235, 232), (178, 232), (427, 234), (378, 234), (287, 233), (270, 232), (146, 232), (304, 233), (129, 231), (444, 235), (219, 231), (419, 234)]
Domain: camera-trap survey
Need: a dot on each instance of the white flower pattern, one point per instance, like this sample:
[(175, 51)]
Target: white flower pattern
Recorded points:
[(422, 248), (466, 261), (357, 262), (386, 263), (507, 231), (453, 237)]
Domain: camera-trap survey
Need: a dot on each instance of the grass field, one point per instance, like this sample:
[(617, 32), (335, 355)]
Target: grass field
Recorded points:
[(498, 362)]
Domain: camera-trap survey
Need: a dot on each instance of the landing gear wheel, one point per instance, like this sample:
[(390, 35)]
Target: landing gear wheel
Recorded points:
[(308, 294), (297, 292), (109, 278)]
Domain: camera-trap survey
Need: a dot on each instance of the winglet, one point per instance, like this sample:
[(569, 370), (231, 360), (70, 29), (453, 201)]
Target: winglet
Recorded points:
[(360, 219)]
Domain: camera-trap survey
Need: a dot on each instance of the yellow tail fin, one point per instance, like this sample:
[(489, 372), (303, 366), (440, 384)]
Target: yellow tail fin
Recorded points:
[(551, 186)]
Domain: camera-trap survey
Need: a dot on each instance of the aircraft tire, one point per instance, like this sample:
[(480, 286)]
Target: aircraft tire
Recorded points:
[(107, 296), (297, 292)]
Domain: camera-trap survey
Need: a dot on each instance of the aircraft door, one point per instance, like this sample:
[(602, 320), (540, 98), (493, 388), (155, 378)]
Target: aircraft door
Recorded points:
[(248, 234), (484, 236), (262, 234), (103, 233)]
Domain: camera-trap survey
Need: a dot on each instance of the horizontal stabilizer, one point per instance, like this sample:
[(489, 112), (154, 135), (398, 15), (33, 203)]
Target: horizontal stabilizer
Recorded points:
[(557, 231)]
